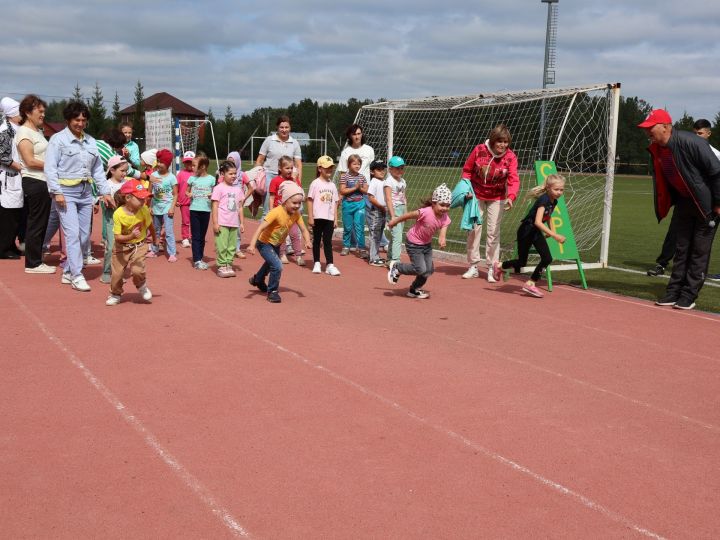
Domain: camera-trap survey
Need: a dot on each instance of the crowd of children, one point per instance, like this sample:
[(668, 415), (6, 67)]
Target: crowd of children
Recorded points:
[(142, 224)]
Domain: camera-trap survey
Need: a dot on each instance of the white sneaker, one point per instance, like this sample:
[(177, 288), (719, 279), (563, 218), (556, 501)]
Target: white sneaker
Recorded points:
[(79, 284), (112, 300), (317, 269), (145, 293), (332, 270), (90, 260), (185, 243), (42, 268), (300, 261), (472, 272), (490, 277), (284, 259), (66, 278)]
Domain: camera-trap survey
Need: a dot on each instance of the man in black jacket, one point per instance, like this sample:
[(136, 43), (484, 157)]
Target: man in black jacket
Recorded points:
[(686, 175)]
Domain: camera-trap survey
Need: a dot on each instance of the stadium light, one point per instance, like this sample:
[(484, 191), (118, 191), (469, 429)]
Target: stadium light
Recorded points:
[(550, 43)]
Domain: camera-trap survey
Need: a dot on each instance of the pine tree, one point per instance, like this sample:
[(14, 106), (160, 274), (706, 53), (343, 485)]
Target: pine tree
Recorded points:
[(715, 136), (685, 123), (139, 116), (77, 93), (97, 120), (116, 109), (229, 129)]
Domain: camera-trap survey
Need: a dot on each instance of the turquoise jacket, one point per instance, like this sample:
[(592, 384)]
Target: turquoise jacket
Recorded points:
[(471, 212)]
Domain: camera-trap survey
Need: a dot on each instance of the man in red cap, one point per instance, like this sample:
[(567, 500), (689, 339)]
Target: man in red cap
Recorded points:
[(686, 175)]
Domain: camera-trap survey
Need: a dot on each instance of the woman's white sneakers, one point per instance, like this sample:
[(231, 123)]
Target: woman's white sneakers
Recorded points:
[(330, 269), (471, 273)]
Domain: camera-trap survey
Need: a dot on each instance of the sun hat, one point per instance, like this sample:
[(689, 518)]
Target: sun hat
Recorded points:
[(149, 157)]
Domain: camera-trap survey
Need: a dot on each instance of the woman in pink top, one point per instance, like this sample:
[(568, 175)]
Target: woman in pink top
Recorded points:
[(492, 171), (429, 219)]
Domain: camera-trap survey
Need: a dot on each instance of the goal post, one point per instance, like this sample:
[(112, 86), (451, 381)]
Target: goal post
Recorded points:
[(575, 127), (189, 132)]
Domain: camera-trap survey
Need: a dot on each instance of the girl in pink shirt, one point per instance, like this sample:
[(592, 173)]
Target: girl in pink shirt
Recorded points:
[(433, 216)]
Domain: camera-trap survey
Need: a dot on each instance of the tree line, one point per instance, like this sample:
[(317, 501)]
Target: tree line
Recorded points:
[(329, 120)]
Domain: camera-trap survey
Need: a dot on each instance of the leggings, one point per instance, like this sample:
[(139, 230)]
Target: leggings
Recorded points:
[(529, 235), (199, 222), (323, 231)]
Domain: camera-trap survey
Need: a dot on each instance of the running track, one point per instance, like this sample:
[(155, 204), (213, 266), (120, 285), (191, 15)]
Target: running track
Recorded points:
[(350, 411)]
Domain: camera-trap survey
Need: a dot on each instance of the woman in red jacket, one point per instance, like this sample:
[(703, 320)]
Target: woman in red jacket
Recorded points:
[(492, 171)]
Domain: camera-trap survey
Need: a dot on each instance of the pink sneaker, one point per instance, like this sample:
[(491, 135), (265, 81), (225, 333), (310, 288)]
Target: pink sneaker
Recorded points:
[(172, 258), (532, 290), (497, 270)]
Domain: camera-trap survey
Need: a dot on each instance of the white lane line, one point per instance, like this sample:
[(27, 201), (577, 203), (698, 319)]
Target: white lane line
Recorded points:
[(150, 439), (555, 486)]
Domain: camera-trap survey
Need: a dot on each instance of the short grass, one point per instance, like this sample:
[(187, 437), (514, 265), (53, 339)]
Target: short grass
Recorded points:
[(635, 241)]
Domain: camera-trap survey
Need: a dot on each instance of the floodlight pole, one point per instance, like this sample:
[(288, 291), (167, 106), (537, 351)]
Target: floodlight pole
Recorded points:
[(549, 67)]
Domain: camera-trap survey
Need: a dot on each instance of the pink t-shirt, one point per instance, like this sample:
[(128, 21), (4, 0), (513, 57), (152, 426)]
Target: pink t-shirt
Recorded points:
[(324, 195), (426, 226), (182, 178), (229, 200)]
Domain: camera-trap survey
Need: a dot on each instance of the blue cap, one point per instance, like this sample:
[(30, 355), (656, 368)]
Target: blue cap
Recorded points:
[(396, 161)]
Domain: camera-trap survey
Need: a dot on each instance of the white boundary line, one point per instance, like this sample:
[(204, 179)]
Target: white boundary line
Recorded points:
[(708, 283), (148, 437), (555, 486)]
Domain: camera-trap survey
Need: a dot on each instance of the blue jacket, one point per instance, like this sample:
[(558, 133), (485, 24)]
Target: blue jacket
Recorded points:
[(471, 212)]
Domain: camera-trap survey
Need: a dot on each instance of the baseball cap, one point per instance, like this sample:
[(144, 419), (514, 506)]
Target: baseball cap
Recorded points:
[(114, 162), (188, 156), (135, 187), (378, 164), (325, 162), (396, 161), (657, 116)]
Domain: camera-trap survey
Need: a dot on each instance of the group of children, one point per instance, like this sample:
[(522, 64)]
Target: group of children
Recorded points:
[(380, 202)]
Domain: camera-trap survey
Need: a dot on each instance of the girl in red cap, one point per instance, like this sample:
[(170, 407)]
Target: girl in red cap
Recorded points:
[(165, 193), (131, 223)]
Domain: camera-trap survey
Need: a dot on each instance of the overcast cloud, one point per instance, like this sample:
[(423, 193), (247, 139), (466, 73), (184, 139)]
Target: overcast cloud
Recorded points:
[(250, 54)]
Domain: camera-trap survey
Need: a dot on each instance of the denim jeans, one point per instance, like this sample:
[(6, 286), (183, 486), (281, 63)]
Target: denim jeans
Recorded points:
[(272, 265), (421, 264), (376, 226), (199, 222), (75, 221), (158, 222)]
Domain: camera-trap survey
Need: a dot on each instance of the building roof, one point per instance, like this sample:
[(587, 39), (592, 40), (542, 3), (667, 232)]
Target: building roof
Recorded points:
[(163, 100)]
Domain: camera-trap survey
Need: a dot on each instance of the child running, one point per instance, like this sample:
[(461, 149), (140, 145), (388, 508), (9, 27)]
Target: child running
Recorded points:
[(165, 192), (322, 214), (227, 218), (533, 230), (131, 223), (199, 190), (353, 187), (429, 219), (116, 171), (394, 188), (271, 234), (375, 213), (285, 170), (183, 201)]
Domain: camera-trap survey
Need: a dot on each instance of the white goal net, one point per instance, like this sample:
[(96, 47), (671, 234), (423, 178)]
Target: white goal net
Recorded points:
[(191, 132), (575, 127)]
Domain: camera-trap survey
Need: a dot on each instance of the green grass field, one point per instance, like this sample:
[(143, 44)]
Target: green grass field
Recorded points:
[(635, 240)]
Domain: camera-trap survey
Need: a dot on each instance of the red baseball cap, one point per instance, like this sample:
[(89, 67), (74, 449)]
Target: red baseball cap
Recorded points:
[(657, 116), (135, 187)]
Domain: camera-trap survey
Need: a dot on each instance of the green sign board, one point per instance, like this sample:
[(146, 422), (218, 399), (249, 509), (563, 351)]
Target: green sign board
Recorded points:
[(560, 219)]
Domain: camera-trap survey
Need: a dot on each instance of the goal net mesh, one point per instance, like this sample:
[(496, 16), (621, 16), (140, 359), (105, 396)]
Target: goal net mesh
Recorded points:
[(435, 136)]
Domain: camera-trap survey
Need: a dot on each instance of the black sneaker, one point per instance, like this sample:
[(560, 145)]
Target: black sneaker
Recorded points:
[(658, 270), (259, 284), (377, 262), (274, 297), (684, 303), (714, 277), (667, 300), (417, 294)]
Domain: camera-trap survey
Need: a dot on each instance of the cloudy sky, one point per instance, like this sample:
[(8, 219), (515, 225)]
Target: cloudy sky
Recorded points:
[(248, 53)]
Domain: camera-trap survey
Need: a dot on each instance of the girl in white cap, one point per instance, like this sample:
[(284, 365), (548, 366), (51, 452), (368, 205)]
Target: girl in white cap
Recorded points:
[(433, 216)]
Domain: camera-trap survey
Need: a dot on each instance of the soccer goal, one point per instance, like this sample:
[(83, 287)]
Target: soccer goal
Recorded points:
[(575, 127), (190, 132)]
